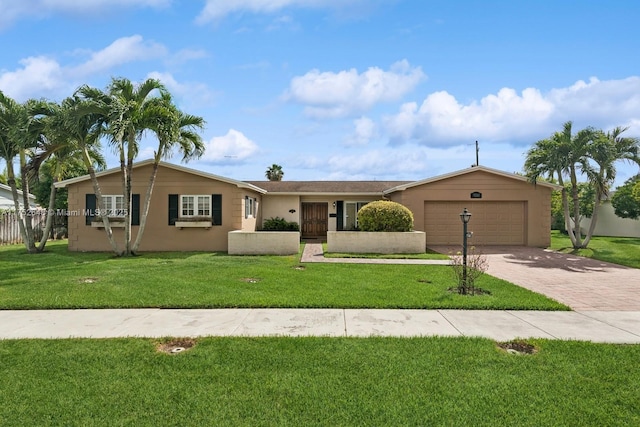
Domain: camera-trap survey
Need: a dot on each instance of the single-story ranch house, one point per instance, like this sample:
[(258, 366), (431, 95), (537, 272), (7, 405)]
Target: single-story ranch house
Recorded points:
[(196, 211)]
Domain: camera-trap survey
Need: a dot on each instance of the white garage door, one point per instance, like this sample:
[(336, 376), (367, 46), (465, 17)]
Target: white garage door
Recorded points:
[(492, 223)]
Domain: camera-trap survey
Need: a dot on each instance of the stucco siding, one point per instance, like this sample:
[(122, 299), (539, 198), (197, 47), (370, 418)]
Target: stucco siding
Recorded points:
[(158, 234), (494, 188)]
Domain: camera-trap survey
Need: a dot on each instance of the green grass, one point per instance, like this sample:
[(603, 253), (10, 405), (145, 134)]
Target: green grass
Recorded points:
[(61, 279), (318, 382), (427, 255), (618, 250)]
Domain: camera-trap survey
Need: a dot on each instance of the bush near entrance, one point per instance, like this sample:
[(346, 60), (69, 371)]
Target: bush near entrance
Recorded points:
[(385, 215)]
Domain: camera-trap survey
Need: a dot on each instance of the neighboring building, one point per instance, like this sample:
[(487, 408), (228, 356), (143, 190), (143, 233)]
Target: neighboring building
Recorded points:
[(6, 198), (193, 210)]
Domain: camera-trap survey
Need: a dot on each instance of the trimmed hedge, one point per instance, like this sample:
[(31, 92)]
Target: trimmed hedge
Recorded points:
[(279, 224), (385, 215)]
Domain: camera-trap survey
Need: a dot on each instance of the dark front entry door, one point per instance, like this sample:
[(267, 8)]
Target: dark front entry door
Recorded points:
[(315, 217)]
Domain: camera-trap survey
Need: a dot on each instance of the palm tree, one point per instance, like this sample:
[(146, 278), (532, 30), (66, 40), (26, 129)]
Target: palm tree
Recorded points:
[(88, 112), (274, 173), (21, 128), (591, 152), (59, 153), (174, 129), (132, 113), (605, 151), (559, 156)]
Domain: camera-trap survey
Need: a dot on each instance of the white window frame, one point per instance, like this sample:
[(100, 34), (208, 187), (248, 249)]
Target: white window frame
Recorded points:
[(113, 204), (196, 206), (250, 207), (359, 205)]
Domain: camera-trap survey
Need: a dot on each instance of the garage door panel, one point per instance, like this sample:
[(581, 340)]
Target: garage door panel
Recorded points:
[(492, 223)]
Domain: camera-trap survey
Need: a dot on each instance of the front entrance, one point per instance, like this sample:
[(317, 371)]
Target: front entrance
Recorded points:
[(315, 219)]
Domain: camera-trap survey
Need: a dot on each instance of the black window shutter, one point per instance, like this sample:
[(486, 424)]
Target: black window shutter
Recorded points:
[(340, 215), (135, 209), (173, 209), (90, 212), (216, 209)]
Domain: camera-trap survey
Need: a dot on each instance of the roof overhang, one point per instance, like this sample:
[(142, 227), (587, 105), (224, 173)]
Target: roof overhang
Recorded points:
[(239, 184), (472, 169)]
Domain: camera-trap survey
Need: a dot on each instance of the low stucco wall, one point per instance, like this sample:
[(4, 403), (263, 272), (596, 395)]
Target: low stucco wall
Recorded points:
[(264, 242), (410, 242)]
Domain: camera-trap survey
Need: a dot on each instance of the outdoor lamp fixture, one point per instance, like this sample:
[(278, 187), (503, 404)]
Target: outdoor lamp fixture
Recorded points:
[(465, 216), (334, 204)]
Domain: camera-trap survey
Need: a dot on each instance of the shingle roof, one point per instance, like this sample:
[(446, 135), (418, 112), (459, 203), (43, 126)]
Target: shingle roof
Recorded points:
[(327, 187)]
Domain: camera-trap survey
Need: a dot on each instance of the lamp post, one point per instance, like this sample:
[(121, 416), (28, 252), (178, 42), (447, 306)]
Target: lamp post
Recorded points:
[(465, 216)]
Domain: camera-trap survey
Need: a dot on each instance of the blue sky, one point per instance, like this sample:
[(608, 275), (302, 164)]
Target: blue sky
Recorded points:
[(345, 89)]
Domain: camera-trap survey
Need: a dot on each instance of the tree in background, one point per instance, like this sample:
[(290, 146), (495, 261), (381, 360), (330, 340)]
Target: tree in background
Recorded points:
[(274, 173), (626, 199)]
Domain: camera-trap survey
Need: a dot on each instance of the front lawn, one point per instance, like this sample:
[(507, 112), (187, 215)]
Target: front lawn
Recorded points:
[(62, 279), (618, 250), (318, 382)]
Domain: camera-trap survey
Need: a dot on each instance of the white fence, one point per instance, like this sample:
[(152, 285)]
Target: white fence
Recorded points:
[(10, 230)]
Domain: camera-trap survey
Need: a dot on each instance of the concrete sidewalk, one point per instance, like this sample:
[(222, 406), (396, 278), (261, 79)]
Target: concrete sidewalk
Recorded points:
[(596, 326)]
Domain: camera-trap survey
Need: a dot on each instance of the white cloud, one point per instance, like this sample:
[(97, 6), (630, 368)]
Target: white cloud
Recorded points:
[(121, 51), (232, 146), (517, 118), (215, 10), (189, 93), (12, 10), (44, 76), (330, 95), (38, 77), (365, 130)]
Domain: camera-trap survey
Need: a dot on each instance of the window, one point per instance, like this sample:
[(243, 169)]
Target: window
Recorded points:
[(113, 205), (351, 214), (191, 206), (250, 207)]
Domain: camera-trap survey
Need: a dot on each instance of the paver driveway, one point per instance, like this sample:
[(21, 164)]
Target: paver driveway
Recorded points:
[(581, 283)]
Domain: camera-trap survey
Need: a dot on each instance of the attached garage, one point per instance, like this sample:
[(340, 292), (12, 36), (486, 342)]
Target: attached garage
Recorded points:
[(505, 208), (492, 223)]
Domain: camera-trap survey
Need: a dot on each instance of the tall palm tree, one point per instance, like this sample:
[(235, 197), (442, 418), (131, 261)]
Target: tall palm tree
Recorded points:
[(59, 153), (88, 113), (21, 128), (561, 155), (274, 173), (132, 113), (605, 150), (173, 129)]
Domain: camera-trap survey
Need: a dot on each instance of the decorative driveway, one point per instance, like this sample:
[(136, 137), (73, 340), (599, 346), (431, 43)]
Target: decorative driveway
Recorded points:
[(581, 283)]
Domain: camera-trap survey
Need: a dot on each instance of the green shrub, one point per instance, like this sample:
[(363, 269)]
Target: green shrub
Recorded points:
[(385, 215), (279, 224)]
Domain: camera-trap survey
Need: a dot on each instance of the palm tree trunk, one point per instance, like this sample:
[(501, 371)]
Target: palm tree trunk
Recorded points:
[(49, 222), (16, 201), (30, 242), (98, 193), (145, 209), (576, 210), (594, 218)]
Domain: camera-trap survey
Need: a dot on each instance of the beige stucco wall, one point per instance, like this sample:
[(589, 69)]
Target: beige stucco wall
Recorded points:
[(493, 188), (264, 242), (411, 242), (609, 224), (279, 206), (158, 235)]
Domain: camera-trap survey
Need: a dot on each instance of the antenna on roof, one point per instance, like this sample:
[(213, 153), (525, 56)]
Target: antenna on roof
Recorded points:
[(477, 156), (477, 151)]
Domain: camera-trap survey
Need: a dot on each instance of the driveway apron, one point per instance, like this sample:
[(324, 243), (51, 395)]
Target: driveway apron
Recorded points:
[(581, 283)]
